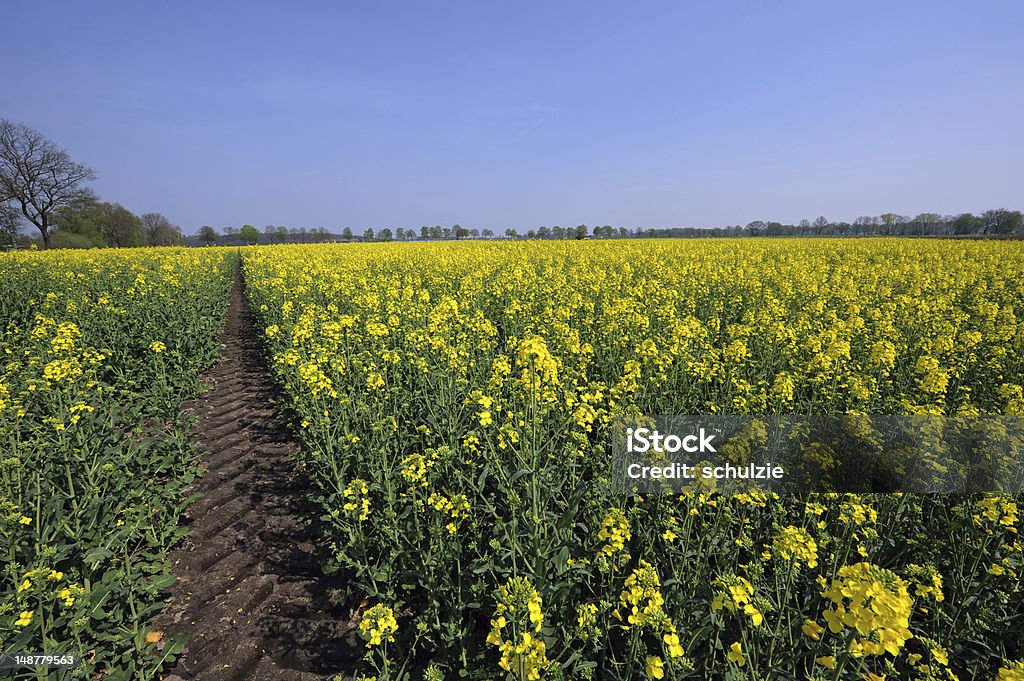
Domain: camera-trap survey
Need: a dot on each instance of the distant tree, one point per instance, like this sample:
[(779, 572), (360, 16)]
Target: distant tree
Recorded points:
[(159, 230), (1002, 221), (270, 234), (623, 232), (385, 234), (346, 234), (866, 224), (474, 233), (10, 224), (558, 232), (230, 233), (436, 232), (755, 228), (37, 176), (400, 233), (820, 223), (925, 223), (424, 232), (368, 234), (249, 234), (511, 233), (581, 232), (459, 232), (208, 235), (78, 225), (531, 234), (892, 223), (544, 232), (967, 223), (120, 227), (488, 233)]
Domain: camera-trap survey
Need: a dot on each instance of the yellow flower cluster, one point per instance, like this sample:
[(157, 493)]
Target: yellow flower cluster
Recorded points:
[(518, 617), (456, 508), (378, 625), (796, 546), (357, 493), (736, 593), (47, 583), (875, 604), (614, 532), (853, 511), (997, 511), (927, 581), (539, 368)]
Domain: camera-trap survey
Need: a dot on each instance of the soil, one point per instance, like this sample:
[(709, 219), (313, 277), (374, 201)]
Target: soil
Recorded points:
[(250, 592)]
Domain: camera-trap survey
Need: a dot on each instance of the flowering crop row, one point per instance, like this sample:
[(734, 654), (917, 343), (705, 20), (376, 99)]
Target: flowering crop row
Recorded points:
[(97, 352), (454, 403)]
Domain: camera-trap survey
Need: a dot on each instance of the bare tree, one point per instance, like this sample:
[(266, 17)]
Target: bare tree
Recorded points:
[(38, 176), (160, 231)]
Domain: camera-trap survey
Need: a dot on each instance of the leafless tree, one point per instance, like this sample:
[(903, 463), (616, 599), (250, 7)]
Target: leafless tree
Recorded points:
[(159, 230), (38, 176)]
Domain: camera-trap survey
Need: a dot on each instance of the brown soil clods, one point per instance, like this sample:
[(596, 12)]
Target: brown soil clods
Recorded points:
[(250, 593)]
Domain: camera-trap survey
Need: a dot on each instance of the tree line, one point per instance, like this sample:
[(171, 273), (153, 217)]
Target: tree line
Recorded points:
[(996, 222), (41, 186)]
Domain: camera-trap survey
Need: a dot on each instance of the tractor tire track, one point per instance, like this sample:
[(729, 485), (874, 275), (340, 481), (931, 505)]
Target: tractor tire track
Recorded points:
[(250, 593)]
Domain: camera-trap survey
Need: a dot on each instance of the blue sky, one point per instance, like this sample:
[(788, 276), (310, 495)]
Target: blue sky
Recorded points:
[(488, 114)]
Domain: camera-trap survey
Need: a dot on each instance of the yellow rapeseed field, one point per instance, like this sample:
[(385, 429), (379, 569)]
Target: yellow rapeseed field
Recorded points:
[(454, 402), (98, 349)]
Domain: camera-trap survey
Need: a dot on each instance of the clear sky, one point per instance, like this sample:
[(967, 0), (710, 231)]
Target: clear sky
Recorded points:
[(518, 114)]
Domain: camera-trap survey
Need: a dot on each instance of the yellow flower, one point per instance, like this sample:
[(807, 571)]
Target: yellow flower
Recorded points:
[(157, 347), (736, 654), (25, 619), (813, 630), (675, 649), (655, 667)]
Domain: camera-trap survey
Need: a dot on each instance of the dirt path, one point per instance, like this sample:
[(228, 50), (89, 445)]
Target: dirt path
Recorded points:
[(250, 592)]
